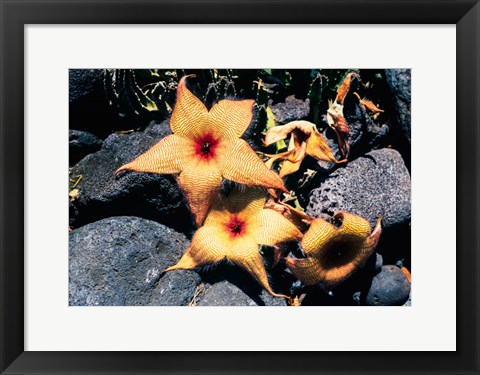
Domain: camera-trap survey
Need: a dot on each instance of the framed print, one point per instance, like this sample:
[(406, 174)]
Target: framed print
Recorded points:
[(252, 188)]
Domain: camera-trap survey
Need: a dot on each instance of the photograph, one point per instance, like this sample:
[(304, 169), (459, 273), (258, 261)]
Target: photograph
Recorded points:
[(239, 187), (309, 158)]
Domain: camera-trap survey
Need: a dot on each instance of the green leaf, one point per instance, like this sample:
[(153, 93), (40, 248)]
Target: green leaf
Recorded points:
[(280, 145)]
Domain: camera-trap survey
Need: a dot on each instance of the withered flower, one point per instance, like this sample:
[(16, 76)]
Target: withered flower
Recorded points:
[(334, 253), (305, 139), (344, 87), (297, 217), (370, 106), (233, 229), (335, 117), (204, 147)]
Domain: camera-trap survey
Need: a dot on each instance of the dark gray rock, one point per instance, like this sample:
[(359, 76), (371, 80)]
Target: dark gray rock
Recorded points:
[(80, 144), (229, 285), (377, 183), (119, 261), (84, 83), (175, 288), (399, 82), (389, 288), (224, 293), (88, 105), (409, 301), (378, 262), (290, 110), (365, 134), (151, 196)]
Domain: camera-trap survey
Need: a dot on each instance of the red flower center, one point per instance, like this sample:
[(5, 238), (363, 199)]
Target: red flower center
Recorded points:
[(205, 146), (236, 227)]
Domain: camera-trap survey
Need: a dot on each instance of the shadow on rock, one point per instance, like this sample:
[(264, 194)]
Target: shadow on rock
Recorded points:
[(229, 285)]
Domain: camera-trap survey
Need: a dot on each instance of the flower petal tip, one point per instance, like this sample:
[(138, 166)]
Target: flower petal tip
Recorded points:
[(283, 188), (199, 220), (170, 268), (120, 170), (184, 78), (291, 263)]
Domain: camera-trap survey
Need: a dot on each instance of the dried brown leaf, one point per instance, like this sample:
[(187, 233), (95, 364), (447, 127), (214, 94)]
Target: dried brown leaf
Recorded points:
[(344, 87)]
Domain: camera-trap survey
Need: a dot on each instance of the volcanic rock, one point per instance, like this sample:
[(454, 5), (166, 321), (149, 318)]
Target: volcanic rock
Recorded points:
[(119, 261)]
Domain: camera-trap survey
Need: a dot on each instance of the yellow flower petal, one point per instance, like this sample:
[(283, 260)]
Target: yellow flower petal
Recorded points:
[(190, 116), (231, 117), (207, 247), (170, 155), (317, 236), (204, 147), (246, 254), (200, 183), (334, 254), (353, 226), (246, 202), (307, 270), (231, 229), (240, 164), (274, 229)]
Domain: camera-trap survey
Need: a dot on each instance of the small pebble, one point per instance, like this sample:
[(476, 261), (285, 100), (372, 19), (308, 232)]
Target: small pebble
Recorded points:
[(389, 288), (356, 297)]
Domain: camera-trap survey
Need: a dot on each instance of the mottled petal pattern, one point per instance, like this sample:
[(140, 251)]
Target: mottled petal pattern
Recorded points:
[(190, 116), (232, 229), (207, 247), (353, 226), (334, 254), (247, 256), (201, 184), (246, 202), (170, 155), (232, 117), (318, 235), (274, 228), (306, 269), (242, 165), (204, 148)]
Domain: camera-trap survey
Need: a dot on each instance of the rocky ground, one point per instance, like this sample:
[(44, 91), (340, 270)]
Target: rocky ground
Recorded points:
[(125, 231)]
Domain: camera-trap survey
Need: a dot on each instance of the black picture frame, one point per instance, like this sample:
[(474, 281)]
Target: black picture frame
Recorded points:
[(15, 14)]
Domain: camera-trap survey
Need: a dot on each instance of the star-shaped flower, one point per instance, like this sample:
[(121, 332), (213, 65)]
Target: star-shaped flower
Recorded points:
[(204, 147), (334, 253), (233, 229)]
